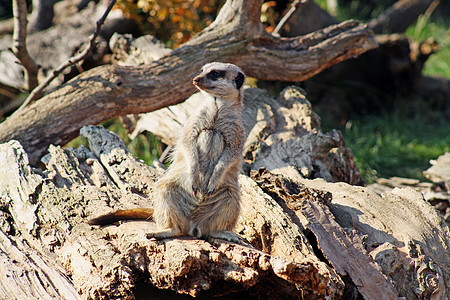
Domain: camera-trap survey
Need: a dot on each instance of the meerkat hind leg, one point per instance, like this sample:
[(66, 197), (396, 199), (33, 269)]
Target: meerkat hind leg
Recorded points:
[(163, 234), (228, 236)]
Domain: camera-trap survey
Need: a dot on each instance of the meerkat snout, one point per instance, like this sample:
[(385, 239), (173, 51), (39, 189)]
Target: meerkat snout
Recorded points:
[(197, 80)]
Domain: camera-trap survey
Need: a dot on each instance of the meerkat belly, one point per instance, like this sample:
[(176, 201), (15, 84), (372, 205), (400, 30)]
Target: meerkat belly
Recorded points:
[(210, 144)]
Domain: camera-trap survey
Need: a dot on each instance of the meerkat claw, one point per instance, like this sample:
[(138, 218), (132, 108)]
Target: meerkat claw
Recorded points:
[(195, 191), (151, 236)]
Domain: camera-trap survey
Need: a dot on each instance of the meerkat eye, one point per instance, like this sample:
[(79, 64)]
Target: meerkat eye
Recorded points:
[(216, 74), (239, 80)]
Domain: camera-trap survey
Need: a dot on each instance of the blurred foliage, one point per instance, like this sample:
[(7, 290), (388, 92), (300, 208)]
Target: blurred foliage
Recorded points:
[(269, 15), (434, 23), (395, 134), (438, 29), (171, 21)]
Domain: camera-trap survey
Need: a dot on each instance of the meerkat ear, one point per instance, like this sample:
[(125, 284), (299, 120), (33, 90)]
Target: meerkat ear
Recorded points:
[(239, 80)]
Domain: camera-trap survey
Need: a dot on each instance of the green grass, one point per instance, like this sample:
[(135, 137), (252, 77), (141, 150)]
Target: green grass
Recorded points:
[(393, 145)]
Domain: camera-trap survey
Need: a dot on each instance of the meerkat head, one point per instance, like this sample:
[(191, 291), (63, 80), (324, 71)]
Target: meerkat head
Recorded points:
[(221, 80)]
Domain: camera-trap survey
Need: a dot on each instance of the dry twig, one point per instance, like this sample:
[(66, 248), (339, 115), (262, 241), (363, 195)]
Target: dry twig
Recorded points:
[(294, 6), (19, 44), (72, 61)]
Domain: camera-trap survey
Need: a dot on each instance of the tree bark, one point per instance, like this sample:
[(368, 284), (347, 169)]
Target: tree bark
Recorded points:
[(82, 184), (236, 36)]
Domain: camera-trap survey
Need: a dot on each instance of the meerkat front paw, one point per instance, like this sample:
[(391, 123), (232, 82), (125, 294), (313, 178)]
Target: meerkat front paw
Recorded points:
[(212, 186), (195, 187), (195, 190), (195, 184), (163, 234)]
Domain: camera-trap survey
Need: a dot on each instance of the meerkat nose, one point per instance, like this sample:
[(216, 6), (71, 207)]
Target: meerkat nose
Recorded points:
[(197, 80)]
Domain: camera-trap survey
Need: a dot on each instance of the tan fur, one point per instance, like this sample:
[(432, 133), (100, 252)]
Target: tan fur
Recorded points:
[(199, 194)]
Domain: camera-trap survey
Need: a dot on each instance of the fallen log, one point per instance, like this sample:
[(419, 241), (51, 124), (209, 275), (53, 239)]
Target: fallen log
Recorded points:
[(108, 261)]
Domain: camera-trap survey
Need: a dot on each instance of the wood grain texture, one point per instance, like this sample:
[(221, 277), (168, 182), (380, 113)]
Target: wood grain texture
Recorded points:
[(387, 244), (107, 262)]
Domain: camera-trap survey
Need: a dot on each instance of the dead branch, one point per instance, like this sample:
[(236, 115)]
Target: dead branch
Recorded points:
[(19, 44), (35, 94)]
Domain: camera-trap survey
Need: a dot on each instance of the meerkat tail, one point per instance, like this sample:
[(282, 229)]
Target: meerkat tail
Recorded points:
[(126, 214)]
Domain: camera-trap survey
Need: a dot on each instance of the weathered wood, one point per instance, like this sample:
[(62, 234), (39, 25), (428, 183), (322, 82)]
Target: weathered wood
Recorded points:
[(344, 251), (54, 46), (403, 234), (128, 51), (440, 169), (380, 246), (26, 273), (107, 262), (436, 193), (79, 58), (108, 91), (19, 46)]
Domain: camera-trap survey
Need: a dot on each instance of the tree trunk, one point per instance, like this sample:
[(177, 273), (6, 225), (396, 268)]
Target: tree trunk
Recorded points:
[(306, 238), (236, 36), (42, 15)]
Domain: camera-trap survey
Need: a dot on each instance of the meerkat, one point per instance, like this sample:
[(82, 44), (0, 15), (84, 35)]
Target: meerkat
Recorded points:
[(199, 193)]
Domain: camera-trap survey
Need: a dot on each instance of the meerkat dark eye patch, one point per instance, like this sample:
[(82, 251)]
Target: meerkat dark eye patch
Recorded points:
[(239, 80), (215, 74)]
